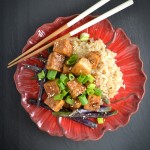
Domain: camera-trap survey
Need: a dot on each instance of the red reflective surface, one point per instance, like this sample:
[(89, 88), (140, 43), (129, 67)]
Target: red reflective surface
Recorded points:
[(128, 59)]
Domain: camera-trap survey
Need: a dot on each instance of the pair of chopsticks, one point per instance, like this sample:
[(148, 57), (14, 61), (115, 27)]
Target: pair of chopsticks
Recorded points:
[(34, 50)]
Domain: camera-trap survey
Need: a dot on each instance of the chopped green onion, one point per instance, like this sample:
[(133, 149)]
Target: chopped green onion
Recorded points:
[(58, 97), (71, 76), (90, 78), (98, 92), (100, 120), (84, 36), (61, 85), (91, 86), (85, 80), (64, 93), (51, 74), (83, 99), (41, 75), (64, 79), (72, 60), (81, 78), (69, 100), (90, 91)]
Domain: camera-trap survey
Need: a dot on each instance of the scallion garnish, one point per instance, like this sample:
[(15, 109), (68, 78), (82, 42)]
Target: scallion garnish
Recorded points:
[(91, 86), (84, 36), (81, 78), (72, 60), (41, 75), (58, 97), (85, 80), (61, 85), (64, 79), (90, 78), (64, 92), (83, 99), (69, 100), (100, 120), (51, 74), (90, 91), (71, 76), (97, 92)]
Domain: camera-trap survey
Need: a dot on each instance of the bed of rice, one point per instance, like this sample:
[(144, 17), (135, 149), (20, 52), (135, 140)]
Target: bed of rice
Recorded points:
[(109, 73)]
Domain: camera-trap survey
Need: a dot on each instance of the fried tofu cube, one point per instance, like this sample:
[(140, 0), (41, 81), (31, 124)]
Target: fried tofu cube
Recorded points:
[(83, 66), (94, 58), (51, 88), (63, 47), (76, 88), (76, 105), (93, 103), (66, 69), (53, 104), (55, 61)]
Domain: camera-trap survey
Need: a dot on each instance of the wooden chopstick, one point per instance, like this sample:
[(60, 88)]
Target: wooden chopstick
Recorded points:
[(64, 27), (39, 50), (77, 30)]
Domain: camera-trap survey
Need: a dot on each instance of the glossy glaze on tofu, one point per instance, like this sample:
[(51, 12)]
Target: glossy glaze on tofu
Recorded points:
[(66, 69), (63, 47), (54, 104), (76, 105), (94, 58), (76, 88), (83, 66), (51, 88), (93, 103), (55, 61)]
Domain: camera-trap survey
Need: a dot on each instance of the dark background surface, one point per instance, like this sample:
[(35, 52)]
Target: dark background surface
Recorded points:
[(18, 21)]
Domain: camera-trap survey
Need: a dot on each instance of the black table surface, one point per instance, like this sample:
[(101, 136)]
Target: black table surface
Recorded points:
[(18, 21)]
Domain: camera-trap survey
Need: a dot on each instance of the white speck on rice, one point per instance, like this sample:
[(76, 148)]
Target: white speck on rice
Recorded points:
[(109, 73)]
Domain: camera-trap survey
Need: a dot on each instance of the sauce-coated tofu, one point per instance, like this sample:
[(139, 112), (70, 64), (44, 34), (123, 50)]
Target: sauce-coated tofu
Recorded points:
[(76, 105), (63, 47), (93, 103), (51, 88), (75, 88), (55, 62), (66, 69), (94, 58), (83, 66), (55, 105)]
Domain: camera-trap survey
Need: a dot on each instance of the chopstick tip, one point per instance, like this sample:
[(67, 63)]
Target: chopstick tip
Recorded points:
[(132, 2), (8, 67)]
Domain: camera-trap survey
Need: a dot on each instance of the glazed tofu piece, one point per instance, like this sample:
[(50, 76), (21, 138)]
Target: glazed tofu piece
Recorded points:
[(51, 88), (93, 103), (94, 58), (76, 88), (63, 47), (76, 105), (55, 61), (53, 104), (83, 66), (66, 69)]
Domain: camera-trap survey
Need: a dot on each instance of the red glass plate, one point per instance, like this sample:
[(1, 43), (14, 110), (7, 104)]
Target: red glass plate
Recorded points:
[(128, 59)]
